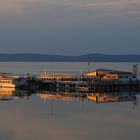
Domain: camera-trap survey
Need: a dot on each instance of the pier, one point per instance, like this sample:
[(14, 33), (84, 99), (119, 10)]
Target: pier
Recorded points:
[(114, 86), (80, 85), (83, 87)]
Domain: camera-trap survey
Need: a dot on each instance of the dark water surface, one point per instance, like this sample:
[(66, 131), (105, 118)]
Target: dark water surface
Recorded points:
[(39, 118)]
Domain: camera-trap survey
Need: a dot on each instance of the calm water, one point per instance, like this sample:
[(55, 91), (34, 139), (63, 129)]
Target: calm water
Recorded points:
[(73, 67), (38, 118)]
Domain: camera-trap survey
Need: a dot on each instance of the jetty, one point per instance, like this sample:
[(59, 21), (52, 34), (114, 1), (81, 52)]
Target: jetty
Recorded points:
[(101, 80), (91, 85)]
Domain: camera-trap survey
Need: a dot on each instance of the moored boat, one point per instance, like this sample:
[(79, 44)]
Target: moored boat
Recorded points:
[(6, 82)]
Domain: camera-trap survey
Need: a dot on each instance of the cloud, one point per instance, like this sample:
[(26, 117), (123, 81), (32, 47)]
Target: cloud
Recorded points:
[(112, 4), (18, 7), (116, 8), (6, 7)]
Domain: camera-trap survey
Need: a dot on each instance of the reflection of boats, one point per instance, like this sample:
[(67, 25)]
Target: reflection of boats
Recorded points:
[(22, 94), (101, 98), (49, 96), (6, 93), (126, 98), (6, 82), (92, 97), (107, 99)]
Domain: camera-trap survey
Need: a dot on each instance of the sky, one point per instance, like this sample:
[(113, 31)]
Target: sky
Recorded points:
[(70, 27)]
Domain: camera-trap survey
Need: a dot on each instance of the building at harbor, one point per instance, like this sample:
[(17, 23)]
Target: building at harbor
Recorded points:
[(111, 74)]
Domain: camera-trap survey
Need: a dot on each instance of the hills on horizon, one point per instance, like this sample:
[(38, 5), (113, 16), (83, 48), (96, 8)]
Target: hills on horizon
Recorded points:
[(27, 57)]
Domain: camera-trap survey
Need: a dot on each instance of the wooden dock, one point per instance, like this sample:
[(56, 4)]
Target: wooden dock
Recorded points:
[(82, 87), (114, 86)]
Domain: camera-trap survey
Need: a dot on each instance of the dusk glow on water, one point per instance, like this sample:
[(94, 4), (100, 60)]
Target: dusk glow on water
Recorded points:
[(39, 116), (35, 118)]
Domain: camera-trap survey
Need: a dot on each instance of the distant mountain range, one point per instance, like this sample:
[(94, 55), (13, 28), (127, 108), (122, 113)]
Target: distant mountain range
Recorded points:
[(59, 58)]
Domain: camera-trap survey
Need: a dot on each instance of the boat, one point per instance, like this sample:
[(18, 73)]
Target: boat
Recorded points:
[(6, 82)]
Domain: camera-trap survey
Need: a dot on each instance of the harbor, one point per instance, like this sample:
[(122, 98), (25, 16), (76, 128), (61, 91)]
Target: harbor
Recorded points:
[(75, 85)]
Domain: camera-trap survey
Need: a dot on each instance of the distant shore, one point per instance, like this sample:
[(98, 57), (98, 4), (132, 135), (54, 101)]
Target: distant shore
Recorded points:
[(59, 58)]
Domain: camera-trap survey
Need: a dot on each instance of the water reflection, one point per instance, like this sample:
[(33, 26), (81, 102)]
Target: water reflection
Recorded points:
[(112, 97), (57, 116), (6, 93), (22, 94), (12, 93)]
